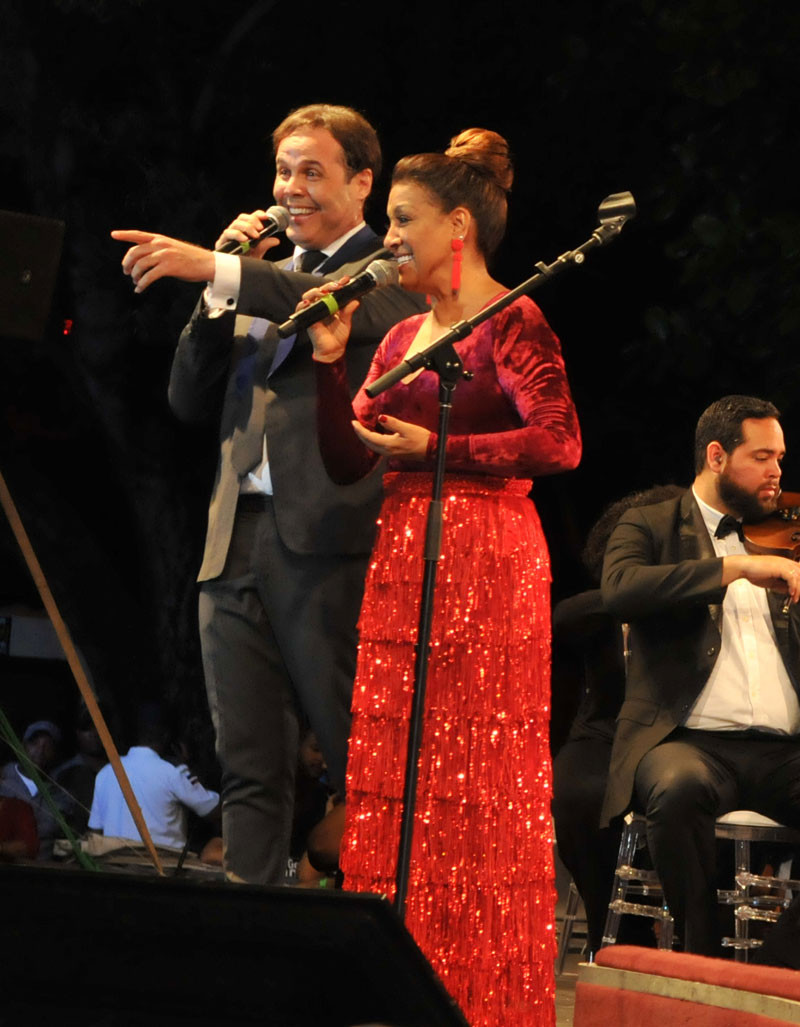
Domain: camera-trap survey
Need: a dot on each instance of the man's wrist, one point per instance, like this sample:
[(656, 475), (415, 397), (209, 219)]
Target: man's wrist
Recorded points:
[(733, 568), (222, 292)]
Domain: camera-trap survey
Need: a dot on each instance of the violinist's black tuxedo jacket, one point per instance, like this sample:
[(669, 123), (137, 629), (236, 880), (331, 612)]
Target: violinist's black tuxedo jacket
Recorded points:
[(281, 589), (662, 577)]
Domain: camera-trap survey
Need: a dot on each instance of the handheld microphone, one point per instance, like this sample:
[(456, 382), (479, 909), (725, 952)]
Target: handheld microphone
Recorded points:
[(375, 275), (277, 221)]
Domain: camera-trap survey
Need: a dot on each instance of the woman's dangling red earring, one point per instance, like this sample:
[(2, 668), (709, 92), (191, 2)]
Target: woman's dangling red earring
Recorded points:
[(457, 245)]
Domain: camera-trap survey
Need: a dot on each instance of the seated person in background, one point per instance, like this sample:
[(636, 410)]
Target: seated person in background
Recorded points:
[(711, 718), (583, 628), (165, 792), (311, 795), (18, 837), (41, 740), (321, 859), (76, 776)]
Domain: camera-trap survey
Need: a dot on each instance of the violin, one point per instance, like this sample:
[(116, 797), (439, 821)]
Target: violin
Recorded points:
[(778, 534)]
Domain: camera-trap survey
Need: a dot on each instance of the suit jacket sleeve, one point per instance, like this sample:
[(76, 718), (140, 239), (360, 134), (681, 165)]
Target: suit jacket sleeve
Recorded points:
[(638, 583)]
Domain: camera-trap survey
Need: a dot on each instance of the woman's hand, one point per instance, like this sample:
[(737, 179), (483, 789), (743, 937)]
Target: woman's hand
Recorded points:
[(244, 229), (407, 441), (329, 337)]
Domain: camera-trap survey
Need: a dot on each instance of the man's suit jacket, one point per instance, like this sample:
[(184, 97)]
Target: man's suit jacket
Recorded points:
[(237, 364), (661, 576)]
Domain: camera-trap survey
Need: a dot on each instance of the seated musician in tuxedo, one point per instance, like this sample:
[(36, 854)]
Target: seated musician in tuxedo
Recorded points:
[(286, 551), (711, 717)]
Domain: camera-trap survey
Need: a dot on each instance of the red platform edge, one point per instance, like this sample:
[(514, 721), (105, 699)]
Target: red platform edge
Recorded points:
[(636, 987)]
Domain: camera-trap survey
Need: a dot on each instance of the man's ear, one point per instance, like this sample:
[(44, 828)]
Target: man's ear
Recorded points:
[(362, 182), (715, 456)]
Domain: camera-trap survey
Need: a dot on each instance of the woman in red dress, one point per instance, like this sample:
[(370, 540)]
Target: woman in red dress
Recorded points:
[(481, 897)]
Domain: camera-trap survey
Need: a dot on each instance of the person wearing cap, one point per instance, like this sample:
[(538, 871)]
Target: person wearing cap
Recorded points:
[(41, 740)]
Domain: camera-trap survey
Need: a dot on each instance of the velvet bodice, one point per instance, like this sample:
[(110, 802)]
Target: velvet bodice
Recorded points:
[(514, 418)]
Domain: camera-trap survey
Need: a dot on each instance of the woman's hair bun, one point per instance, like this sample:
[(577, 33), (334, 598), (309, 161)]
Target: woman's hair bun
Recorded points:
[(485, 151)]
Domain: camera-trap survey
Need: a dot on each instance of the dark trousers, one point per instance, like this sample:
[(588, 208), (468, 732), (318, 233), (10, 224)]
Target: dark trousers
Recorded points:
[(683, 785), (278, 634)]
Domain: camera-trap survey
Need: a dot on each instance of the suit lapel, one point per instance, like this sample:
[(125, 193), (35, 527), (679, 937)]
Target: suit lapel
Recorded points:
[(284, 346), (695, 544), (247, 442), (356, 247)]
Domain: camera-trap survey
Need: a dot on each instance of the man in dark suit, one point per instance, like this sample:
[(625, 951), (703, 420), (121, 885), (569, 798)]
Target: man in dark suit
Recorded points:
[(286, 550), (711, 717)]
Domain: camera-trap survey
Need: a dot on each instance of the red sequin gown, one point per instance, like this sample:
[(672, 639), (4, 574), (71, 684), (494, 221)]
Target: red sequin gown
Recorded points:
[(481, 894)]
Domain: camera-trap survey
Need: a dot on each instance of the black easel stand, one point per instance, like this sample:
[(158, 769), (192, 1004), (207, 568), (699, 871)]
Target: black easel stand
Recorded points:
[(441, 357)]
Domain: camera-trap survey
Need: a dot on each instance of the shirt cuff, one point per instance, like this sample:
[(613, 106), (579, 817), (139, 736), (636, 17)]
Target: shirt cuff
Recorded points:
[(223, 292)]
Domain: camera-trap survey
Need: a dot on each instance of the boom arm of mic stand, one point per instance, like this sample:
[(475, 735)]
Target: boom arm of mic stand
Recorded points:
[(606, 231)]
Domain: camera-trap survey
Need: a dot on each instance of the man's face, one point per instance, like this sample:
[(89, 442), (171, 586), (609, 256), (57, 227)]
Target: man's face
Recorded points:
[(41, 750), (749, 479), (313, 182), (311, 759)]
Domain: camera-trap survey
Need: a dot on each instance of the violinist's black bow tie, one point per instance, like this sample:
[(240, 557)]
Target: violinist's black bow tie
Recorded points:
[(727, 525)]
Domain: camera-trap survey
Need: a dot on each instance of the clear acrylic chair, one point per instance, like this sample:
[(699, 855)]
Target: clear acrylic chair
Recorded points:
[(755, 896), (637, 890)]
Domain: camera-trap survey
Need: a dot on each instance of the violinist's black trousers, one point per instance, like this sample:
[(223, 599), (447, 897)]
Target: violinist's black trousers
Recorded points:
[(683, 785)]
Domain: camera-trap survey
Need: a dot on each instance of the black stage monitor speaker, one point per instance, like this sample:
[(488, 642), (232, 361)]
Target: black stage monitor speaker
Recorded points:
[(30, 252), (117, 950)]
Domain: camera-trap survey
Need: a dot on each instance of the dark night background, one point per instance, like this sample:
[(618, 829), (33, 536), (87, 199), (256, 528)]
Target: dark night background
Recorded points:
[(156, 114)]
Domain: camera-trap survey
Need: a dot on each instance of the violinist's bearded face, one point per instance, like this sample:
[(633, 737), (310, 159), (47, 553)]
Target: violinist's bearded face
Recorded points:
[(751, 508), (749, 482)]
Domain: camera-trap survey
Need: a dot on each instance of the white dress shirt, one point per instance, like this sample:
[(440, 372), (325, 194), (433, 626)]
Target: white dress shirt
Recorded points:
[(164, 793)]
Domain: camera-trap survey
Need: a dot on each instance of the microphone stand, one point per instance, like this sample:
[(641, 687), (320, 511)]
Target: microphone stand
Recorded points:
[(442, 358)]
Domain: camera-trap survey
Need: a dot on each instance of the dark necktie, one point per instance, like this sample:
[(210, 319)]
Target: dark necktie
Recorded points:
[(727, 525), (309, 260)]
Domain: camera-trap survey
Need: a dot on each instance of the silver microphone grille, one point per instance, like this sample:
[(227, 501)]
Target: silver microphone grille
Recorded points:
[(281, 217), (384, 272)]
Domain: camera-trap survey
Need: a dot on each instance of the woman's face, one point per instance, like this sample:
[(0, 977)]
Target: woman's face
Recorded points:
[(420, 235)]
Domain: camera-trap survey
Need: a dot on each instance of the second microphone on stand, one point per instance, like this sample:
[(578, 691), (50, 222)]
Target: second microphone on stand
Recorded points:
[(376, 275)]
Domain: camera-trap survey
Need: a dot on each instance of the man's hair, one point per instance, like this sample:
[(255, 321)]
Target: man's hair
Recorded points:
[(351, 130), (722, 423)]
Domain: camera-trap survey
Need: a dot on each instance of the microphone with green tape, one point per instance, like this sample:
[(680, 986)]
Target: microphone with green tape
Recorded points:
[(374, 276), (276, 220)]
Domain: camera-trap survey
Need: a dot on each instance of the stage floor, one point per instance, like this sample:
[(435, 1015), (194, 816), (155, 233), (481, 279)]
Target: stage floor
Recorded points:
[(565, 982)]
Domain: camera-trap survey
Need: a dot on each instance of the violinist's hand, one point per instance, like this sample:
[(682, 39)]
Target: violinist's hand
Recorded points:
[(156, 256), (777, 573), (407, 441), (329, 337), (245, 228)]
